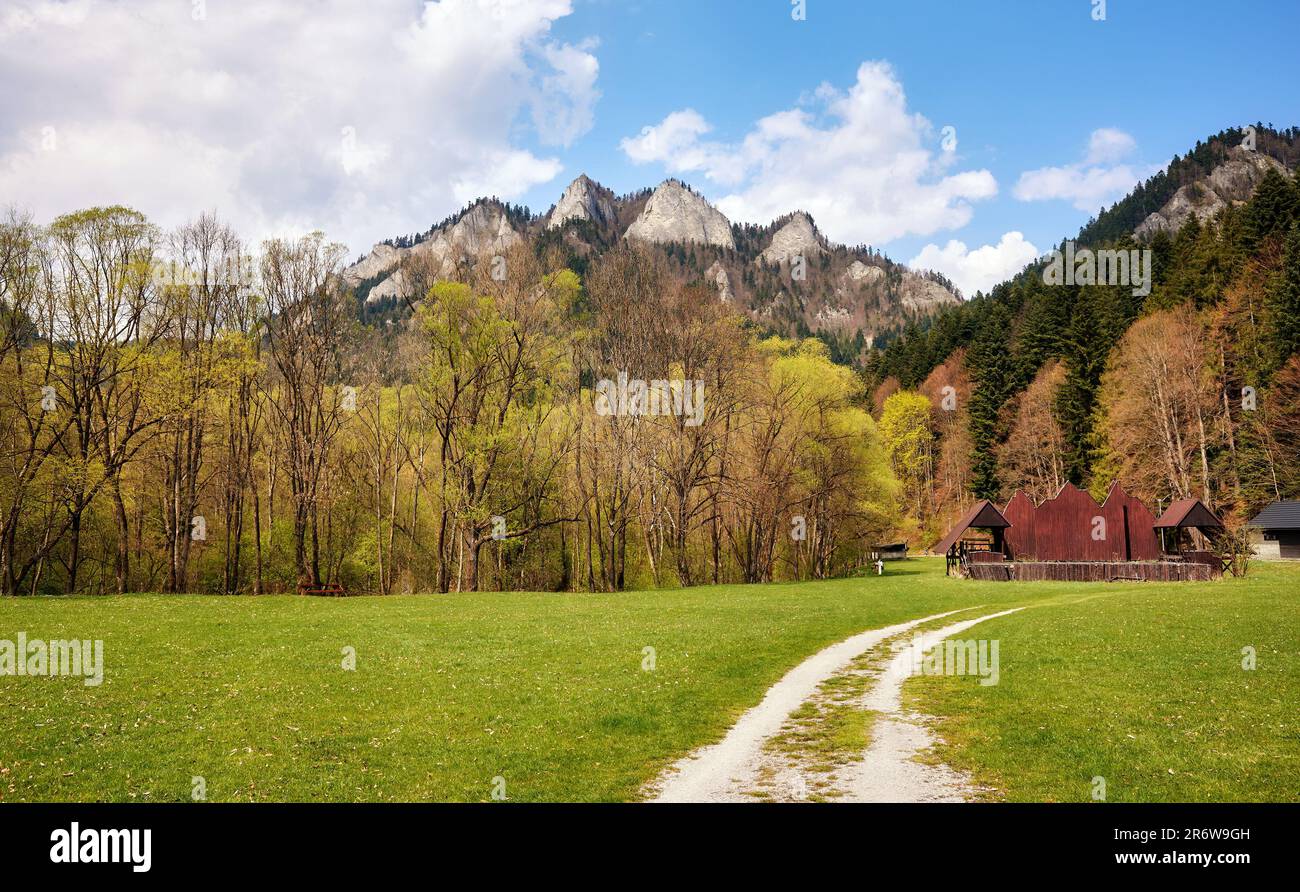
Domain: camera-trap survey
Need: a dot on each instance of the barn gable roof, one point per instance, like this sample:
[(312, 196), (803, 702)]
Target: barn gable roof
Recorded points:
[(1019, 496), (1069, 493), (1283, 515), (1188, 513), (982, 514)]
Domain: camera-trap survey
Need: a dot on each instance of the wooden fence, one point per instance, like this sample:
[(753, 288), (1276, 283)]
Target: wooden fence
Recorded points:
[(1092, 571)]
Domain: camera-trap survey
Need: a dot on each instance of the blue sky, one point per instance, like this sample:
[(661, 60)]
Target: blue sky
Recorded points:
[(1023, 83), (375, 119)]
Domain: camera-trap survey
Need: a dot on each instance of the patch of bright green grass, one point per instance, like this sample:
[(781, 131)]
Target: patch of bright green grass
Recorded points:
[(1140, 684), (548, 692), (544, 690)]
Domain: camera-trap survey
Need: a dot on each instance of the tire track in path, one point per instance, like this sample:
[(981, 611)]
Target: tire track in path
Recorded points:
[(888, 771), (728, 770)]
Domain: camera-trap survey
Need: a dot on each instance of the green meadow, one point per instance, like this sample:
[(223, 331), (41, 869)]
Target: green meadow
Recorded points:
[(580, 697), (1142, 686)]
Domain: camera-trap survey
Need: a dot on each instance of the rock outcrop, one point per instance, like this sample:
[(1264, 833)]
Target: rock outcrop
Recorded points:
[(864, 284), (674, 213), (833, 317), (797, 238), (1232, 182), (482, 230), (721, 279), (381, 259), (584, 199), (919, 294), (860, 273)]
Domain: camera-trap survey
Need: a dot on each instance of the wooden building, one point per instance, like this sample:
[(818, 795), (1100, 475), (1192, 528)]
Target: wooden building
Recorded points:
[(1186, 527), (1072, 537), (1073, 527), (960, 545), (1277, 531), (895, 551)]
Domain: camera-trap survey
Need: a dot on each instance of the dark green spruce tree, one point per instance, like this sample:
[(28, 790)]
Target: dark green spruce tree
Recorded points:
[(1085, 359), (1283, 303), (991, 369)]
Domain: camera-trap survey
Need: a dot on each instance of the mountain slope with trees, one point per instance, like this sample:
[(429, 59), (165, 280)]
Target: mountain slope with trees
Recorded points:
[(786, 277), (536, 406), (1190, 390), (180, 413)]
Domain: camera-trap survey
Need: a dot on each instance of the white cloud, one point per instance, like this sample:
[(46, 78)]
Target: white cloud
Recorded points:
[(857, 160), (980, 269), (562, 109), (1107, 145), (674, 137), (503, 172), (1099, 179), (364, 120)]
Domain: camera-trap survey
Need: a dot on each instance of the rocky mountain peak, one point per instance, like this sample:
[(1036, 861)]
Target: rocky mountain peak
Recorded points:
[(482, 229), (675, 213), (797, 238), (848, 290), (584, 199)]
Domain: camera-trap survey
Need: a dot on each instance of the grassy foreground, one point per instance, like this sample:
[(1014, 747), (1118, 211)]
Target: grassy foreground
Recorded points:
[(1140, 685), (544, 690), (548, 691)]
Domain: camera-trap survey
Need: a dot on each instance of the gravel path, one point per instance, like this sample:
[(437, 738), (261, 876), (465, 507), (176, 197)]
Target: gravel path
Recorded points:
[(726, 771), (889, 771)]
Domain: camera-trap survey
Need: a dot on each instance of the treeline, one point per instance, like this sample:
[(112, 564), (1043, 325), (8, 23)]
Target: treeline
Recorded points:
[(1190, 390), (181, 413)]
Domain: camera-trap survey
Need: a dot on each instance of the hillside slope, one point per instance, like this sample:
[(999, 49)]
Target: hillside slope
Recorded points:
[(785, 276), (1189, 389)]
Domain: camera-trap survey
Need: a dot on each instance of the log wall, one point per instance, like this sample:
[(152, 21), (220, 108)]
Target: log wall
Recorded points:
[(1092, 571)]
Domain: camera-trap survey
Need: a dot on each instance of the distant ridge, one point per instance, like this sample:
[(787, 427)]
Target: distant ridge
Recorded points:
[(786, 276)]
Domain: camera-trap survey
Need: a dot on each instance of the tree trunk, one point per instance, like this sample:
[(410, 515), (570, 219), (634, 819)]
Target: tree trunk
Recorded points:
[(123, 568)]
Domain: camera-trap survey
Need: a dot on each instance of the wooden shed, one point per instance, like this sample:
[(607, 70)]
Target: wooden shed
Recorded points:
[(1072, 537), (959, 546), (1278, 531), (1187, 522)]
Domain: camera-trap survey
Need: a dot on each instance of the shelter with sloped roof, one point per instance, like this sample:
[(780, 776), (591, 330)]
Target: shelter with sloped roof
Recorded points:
[(1073, 537), (1277, 531)]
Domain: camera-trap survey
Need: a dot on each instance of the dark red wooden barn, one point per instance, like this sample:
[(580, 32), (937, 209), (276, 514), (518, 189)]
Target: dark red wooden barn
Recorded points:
[(1073, 527), (1117, 539)]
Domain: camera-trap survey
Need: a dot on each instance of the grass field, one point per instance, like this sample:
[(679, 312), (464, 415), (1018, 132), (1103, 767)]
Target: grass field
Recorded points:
[(548, 691), (1141, 685)]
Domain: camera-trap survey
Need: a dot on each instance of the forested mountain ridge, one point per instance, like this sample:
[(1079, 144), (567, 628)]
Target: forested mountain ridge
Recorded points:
[(1192, 389), (786, 276), (184, 412), (1128, 215), (563, 407)]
